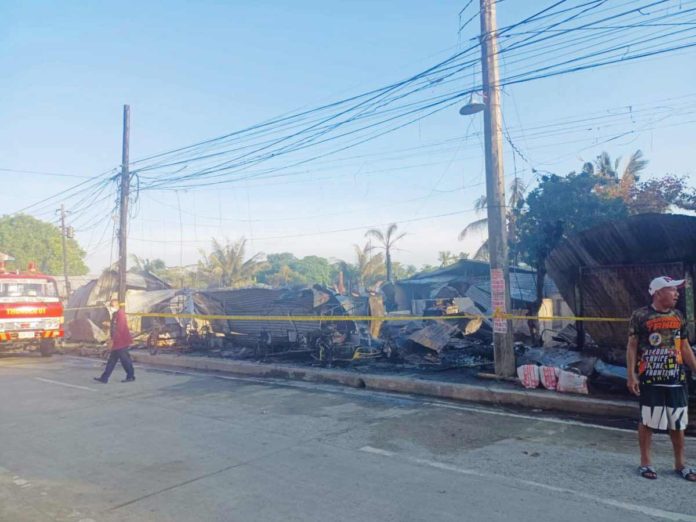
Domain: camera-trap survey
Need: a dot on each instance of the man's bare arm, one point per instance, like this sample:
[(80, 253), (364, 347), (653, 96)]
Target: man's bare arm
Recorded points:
[(688, 355), (631, 357)]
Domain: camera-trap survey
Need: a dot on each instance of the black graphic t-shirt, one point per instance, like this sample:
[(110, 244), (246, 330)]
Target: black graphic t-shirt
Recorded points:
[(659, 346)]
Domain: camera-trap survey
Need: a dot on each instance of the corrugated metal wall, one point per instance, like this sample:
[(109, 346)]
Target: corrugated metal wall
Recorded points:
[(615, 291), (273, 302)]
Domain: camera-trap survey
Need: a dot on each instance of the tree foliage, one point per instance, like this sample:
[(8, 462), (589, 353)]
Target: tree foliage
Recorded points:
[(558, 206), (515, 200), (28, 239), (369, 268), (386, 240), (656, 195), (141, 264), (447, 257), (226, 265), (402, 271), (604, 191), (285, 269)]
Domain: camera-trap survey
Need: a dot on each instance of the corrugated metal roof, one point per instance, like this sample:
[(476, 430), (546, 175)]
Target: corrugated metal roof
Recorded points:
[(464, 269), (642, 239), (275, 302), (618, 260), (522, 280)]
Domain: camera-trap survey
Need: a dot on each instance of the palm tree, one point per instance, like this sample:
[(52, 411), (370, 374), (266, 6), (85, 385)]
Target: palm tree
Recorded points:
[(446, 258), (618, 183), (226, 264), (517, 191), (387, 240), (368, 268)]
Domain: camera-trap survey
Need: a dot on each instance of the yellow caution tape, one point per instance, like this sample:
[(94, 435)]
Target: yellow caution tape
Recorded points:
[(337, 318)]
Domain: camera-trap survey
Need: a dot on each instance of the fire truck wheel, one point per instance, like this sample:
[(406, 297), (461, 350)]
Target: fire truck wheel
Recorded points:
[(47, 347)]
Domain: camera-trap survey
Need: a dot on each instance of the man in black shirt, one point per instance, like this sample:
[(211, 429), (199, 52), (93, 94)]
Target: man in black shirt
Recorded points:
[(657, 350)]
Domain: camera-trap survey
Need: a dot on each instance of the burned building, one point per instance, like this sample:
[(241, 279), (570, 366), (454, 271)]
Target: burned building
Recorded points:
[(604, 272), (466, 285), (86, 310), (275, 303)]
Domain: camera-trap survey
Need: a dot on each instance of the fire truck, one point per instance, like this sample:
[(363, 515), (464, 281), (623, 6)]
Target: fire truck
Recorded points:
[(31, 312)]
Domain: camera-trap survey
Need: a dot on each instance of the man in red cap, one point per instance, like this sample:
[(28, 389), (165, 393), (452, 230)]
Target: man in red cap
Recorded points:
[(657, 350), (119, 343)]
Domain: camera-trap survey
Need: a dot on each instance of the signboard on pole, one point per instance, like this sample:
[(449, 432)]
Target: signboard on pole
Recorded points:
[(498, 300)]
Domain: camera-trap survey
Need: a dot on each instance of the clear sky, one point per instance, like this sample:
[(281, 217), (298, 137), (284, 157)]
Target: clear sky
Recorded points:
[(196, 70)]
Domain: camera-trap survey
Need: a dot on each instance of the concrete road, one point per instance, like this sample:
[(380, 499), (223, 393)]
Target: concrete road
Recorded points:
[(194, 447)]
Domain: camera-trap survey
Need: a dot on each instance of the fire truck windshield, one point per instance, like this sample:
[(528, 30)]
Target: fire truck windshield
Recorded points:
[(27, 288)]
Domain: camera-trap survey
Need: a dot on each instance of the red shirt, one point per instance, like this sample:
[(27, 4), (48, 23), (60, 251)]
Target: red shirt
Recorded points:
[(120, 335)]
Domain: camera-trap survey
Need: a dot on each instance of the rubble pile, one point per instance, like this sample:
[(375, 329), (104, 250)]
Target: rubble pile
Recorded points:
[(435, 321)]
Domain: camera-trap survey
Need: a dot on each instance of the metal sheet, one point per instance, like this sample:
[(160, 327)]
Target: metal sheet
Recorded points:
[(617, 261), (434, 336)]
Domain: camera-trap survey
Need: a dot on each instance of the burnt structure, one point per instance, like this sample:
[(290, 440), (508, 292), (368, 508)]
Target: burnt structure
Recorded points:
[(604, 272)]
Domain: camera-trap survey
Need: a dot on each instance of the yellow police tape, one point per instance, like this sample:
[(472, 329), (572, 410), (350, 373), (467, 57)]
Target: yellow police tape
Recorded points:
[(314, 318), (333, 318)]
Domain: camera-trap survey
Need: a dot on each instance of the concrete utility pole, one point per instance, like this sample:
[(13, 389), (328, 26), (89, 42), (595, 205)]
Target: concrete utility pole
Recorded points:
[(63, 236), (123, 226), (495, 193)]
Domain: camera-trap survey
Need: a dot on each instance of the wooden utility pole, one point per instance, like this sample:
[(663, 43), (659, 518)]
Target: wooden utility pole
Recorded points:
[(63, 236), (495, 193), (123, 225)]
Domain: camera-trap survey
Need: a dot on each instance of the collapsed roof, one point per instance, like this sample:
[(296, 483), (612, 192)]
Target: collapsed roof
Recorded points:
[(86, 310), (259, 302)]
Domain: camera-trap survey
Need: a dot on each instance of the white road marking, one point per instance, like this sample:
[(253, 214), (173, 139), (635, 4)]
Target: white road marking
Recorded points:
[(553, 420), (399, 396), (636, 508), (65, 384), (18, 481), (436, 404)]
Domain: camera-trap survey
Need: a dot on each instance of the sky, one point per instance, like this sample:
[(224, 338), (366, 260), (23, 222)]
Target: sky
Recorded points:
[(196, 70)]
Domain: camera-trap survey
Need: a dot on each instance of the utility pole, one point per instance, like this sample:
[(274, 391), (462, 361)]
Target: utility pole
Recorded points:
[(495, 193), (124, 192), (63, 236)]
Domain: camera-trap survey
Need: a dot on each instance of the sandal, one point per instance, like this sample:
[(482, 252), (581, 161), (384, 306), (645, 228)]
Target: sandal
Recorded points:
[(648, 472), (687, 473)]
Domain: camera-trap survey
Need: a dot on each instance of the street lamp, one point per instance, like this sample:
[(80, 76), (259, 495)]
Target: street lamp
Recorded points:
[(473, 106)]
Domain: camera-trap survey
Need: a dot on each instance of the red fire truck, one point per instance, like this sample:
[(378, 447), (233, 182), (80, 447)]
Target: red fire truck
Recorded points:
[(31, 312)]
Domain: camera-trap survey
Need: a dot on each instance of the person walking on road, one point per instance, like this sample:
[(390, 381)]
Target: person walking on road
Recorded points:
[(120, 340), (657, 350)]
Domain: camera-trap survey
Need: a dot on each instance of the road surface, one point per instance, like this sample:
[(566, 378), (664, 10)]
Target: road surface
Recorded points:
[(196, 447)]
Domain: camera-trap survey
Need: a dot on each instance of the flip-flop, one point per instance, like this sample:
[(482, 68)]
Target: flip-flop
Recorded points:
[(687, 473), (647, 472)]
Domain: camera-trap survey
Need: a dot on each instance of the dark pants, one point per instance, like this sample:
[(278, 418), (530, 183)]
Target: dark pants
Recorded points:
[(122, 355)]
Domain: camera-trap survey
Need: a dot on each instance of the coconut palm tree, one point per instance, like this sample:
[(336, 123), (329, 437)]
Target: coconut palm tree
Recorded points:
[(368, 268), (226, 264), (517, 191), (617, 182), (446, 258), (387, 240)]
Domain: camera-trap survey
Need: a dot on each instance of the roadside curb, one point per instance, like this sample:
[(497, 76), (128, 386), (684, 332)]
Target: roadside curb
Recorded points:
[(484, 393)]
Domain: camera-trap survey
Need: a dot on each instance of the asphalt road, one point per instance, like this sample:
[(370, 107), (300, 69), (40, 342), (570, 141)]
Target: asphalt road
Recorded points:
[(197, 447)]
